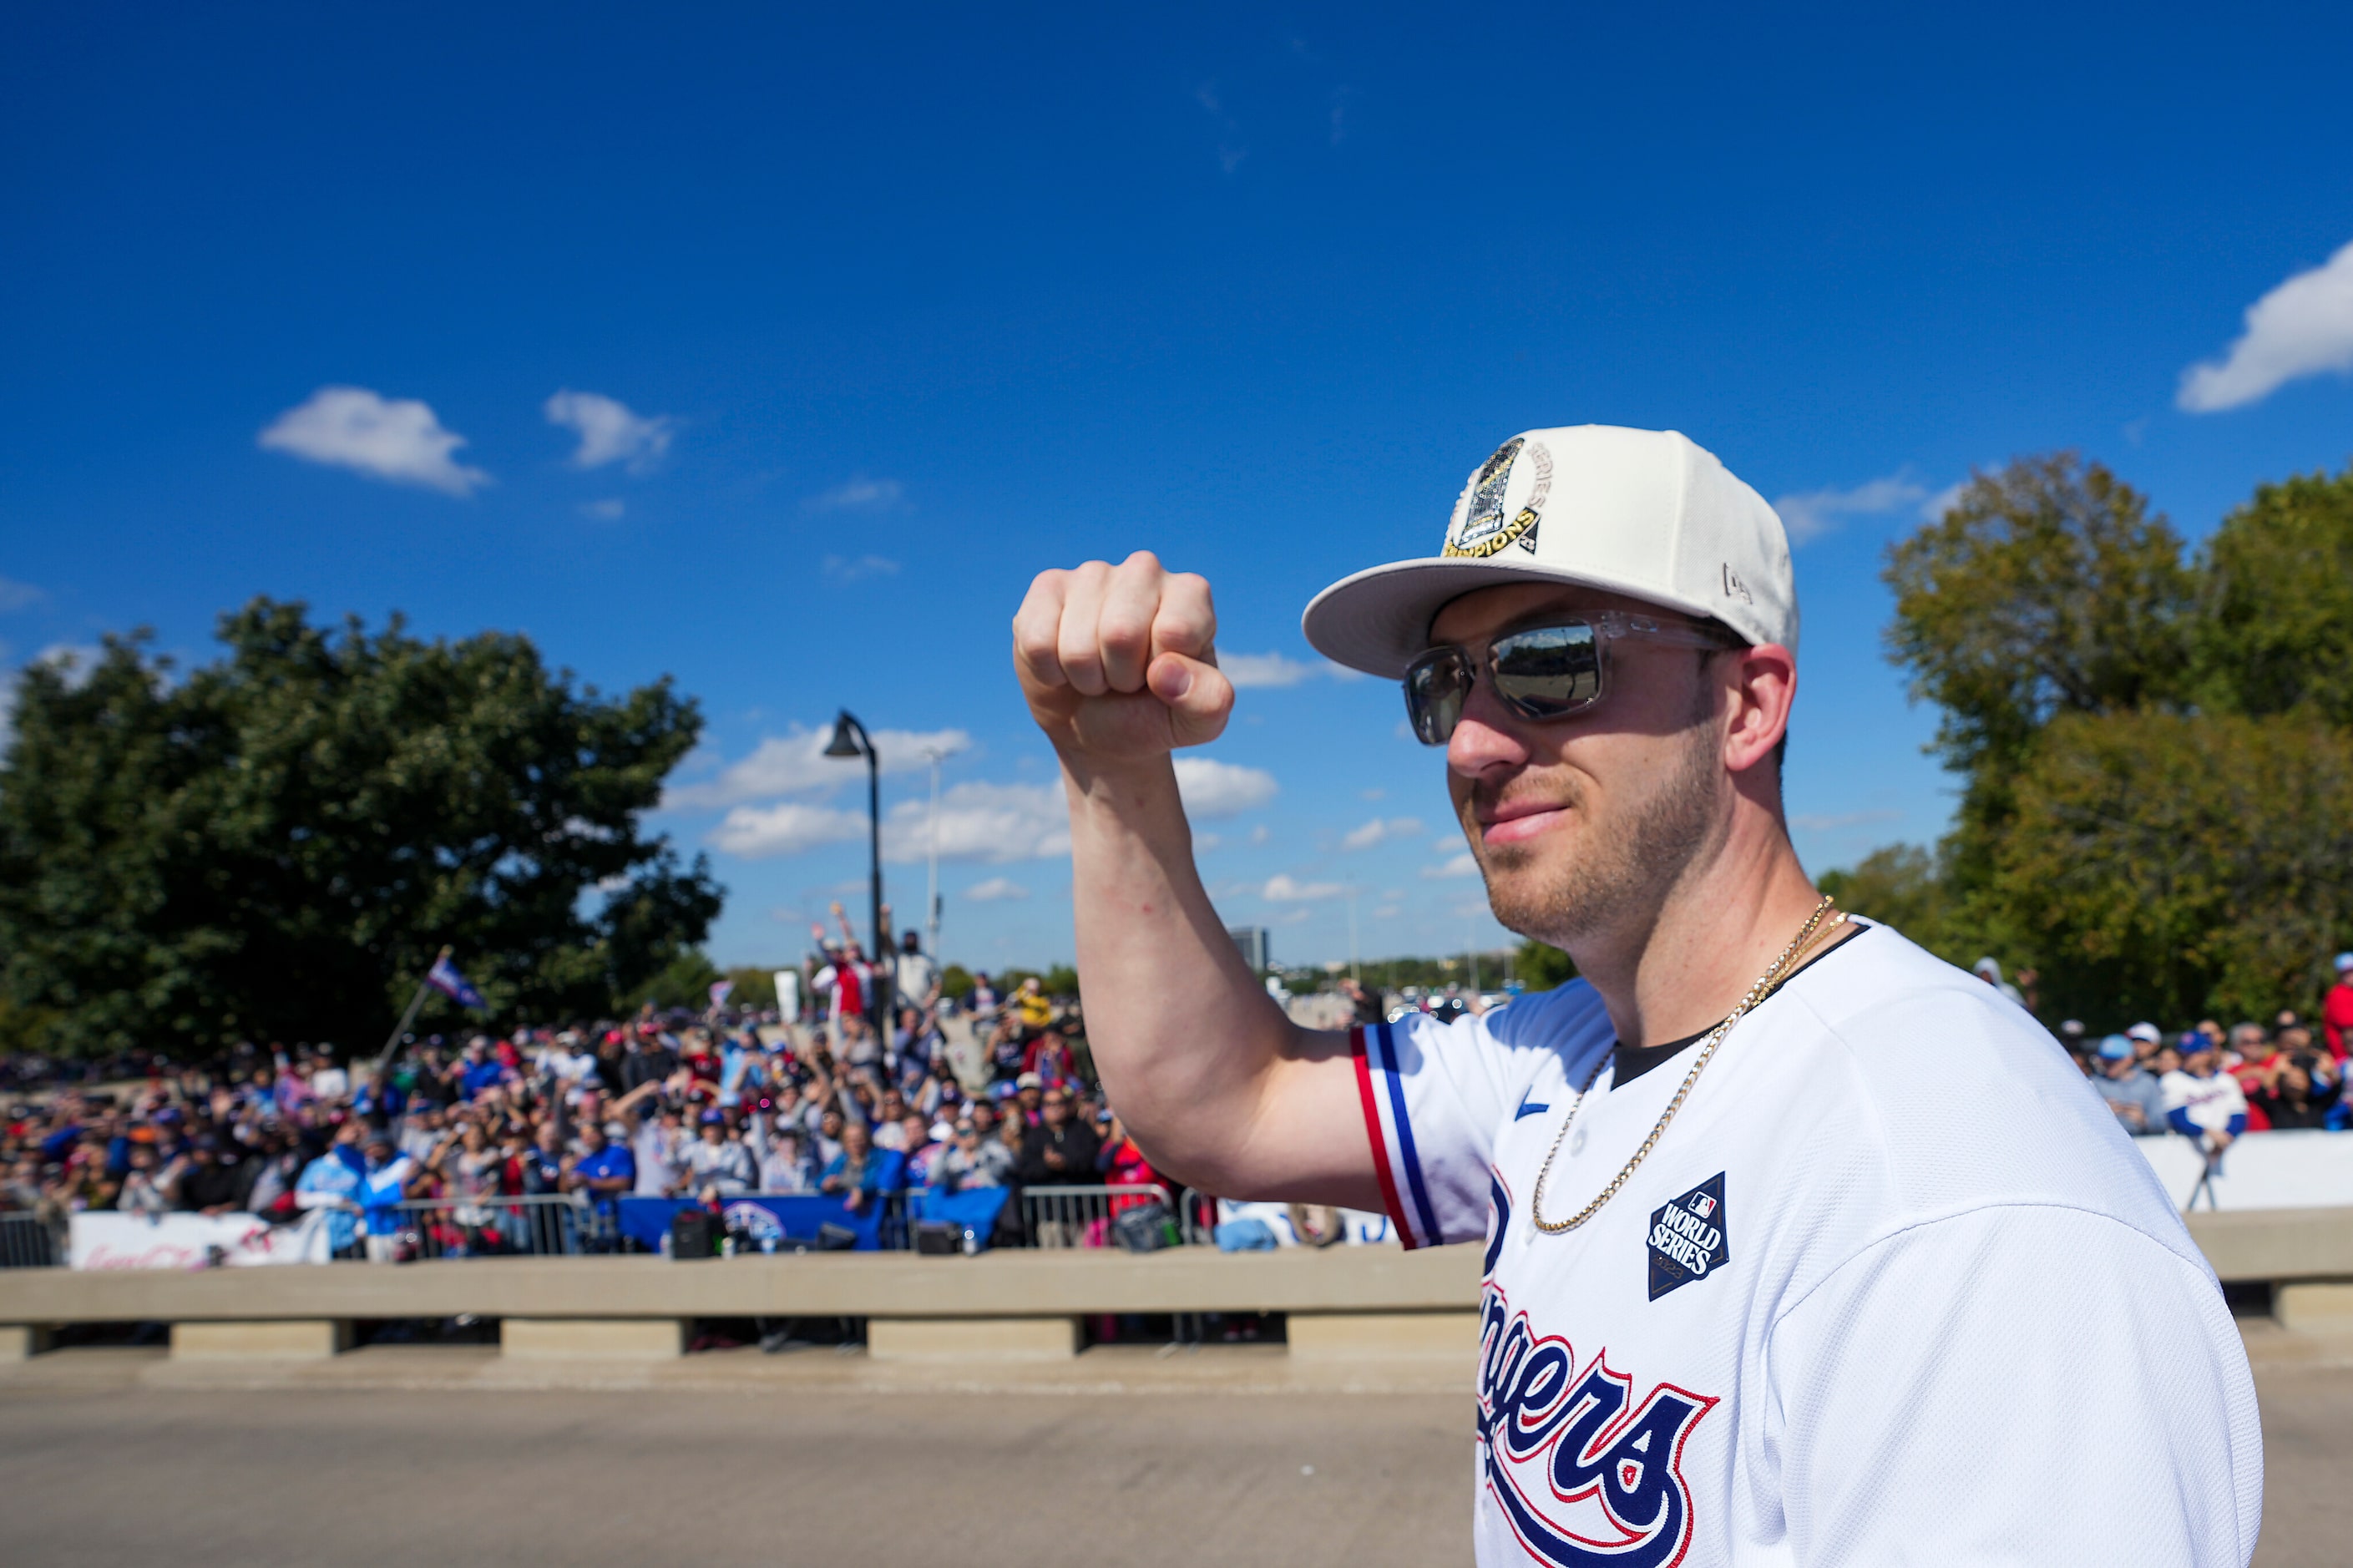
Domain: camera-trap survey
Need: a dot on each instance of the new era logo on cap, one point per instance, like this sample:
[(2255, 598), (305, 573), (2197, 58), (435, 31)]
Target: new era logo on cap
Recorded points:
[(1645, 513)]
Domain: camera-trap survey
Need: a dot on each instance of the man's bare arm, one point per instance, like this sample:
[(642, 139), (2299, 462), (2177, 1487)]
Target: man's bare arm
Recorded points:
[(1219, 1088)]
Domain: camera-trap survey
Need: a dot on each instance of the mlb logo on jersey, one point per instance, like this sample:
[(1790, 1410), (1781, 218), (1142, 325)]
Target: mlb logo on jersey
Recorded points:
[(1690, 1237)]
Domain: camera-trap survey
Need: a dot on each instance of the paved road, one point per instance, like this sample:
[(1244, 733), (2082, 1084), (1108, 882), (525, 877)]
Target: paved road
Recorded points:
[(620, 1481), (624, 1480)]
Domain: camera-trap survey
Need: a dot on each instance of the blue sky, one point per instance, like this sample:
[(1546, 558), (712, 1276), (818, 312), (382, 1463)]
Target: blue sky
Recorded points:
[(783, 349)]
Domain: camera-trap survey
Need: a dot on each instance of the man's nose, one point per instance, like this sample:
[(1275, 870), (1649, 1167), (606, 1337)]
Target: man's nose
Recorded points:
[(1485, 742)]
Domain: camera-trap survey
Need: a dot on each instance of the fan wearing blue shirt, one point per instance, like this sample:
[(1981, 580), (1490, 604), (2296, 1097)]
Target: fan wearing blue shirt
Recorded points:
[(602, 1169)]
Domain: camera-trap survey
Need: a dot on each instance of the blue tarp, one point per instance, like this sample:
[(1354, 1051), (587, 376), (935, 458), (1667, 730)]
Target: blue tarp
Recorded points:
[(647, 1220), (975, 1211)]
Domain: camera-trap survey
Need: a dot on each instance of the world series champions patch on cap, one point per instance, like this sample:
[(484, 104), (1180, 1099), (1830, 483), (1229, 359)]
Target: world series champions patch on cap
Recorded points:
[(1648, 514), (1690, 1238), (1504, 501)]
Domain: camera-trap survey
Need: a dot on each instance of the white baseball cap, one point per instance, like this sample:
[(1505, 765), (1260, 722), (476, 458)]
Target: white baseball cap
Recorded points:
[(1647, 514)]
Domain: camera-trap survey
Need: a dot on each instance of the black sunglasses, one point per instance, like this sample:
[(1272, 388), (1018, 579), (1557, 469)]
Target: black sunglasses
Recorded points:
[(1540, 673)]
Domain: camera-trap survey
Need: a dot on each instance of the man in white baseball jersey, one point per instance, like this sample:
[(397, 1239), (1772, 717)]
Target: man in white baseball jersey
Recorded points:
[(1802, 1247)]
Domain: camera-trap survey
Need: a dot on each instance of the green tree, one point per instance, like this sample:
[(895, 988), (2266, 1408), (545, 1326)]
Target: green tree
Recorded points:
[(2045, 588), (274, 846), (1902, 886), (956, 982), (2167, 866), (755, 985), (684, 982), (1060, 980), (2275, 623), (1541, 968), (2154, 755)]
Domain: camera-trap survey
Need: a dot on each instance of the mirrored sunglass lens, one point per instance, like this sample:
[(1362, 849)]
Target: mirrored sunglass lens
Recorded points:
[(1434, 689), (1549, 671)]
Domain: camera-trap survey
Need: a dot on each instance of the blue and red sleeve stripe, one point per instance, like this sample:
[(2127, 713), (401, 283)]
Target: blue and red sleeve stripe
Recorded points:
[(1404, 1195)]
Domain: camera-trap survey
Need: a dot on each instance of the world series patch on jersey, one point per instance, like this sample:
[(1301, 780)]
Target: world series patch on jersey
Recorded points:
[(1960, 1322)]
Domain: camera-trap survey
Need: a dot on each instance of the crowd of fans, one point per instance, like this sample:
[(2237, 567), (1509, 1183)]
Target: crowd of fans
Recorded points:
[(811, 1101), (708, 1107), (2214, 1084)]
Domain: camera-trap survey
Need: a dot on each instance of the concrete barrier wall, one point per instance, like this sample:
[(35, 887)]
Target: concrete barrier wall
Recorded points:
[(856, 1285), (1349, 1300)]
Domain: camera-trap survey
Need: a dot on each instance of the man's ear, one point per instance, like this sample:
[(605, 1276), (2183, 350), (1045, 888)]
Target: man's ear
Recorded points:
[(1765, 685)]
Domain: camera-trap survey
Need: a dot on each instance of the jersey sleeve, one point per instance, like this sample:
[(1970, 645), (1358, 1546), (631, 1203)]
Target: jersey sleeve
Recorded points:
[(1433, 1096), (2015, 1384)]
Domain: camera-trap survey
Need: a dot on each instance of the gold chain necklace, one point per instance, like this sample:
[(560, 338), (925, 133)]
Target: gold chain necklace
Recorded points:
[(1767, 984)]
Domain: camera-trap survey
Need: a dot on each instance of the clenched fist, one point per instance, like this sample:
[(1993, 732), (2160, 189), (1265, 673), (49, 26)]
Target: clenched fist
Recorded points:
[(1119, 663)]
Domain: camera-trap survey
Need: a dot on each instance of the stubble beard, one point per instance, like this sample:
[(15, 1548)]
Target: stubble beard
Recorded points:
[(1622, 869)]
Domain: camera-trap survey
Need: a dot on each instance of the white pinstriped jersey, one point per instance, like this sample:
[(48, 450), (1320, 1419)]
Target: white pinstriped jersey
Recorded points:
[(1893, 1288)]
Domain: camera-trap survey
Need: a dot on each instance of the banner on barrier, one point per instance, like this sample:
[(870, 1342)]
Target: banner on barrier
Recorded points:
[(194, 1241), (2297, 1169), (1358, 1228)]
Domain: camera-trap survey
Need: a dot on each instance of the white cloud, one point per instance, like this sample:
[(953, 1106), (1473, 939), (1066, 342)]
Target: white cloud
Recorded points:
[(2304, 327), (16, 596), (1291, 918), (1462, 865), (1212, 788), (1231, 149), (788, 827), (1250, 671), (1256, 671), (1933, 509), (995, 888), (1372, 793), (991, 822), (796, 764), (397, 440), (1813, 513), (610, 432), (846, 570), (859, 494), (605, 511), (1282, 889), (1816, 822), (1260, 833), (1205, 842), (77, 662), (1379, 832)]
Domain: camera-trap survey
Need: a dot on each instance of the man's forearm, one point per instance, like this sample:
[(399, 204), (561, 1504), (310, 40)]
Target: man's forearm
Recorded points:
[(1184, 1035), (1119, 668)]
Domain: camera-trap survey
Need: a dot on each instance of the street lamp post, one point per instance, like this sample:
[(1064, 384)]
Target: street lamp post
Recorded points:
[(850, 740), (931, 904), (1354, 973)]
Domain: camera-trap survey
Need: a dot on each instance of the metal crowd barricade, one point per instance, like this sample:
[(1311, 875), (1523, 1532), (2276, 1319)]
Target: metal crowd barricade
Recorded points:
[(893, 1234), (538, 1225), (1196, 1217), (27, 1241), (1083, 1215)]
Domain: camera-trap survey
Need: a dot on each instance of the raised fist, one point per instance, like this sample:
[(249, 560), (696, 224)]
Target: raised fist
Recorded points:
[(1118, 663)]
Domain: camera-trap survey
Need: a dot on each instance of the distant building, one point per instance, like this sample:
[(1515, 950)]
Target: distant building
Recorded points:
[(1256, 951)]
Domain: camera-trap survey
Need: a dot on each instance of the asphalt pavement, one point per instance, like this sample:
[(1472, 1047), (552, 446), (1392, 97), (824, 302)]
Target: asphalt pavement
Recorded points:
[(795, 1474)]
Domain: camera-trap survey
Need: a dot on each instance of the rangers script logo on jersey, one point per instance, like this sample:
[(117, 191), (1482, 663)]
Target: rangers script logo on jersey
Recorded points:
[(1584, 1473)]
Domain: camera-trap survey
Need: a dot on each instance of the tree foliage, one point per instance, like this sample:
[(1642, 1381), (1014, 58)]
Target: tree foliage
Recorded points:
[(2046, 587), (2168, 866), (275, 846), (2155, 754), (2275, 626), (1541, 967), (1902, 886)]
